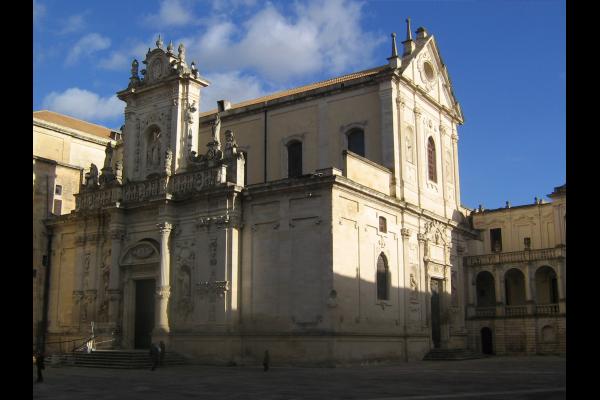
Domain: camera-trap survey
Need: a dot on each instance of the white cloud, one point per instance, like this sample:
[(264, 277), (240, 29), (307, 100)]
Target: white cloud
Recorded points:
[(74, 23), (84, 104), (320, 35), (232, 86), (86, 46), (171, 13), (229, 5), (116, 61)]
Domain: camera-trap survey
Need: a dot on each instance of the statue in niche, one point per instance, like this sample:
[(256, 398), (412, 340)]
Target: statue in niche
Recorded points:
[(409, 147), (185, 305), (449, 171), (86, 272), (153, 156), (191, 109), (413, 289)]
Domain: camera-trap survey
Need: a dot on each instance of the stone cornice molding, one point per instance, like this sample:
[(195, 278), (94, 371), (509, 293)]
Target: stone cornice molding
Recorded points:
[(73, 133)]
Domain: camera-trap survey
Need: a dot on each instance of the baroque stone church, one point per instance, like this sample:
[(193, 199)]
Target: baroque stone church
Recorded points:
[(322, 223)]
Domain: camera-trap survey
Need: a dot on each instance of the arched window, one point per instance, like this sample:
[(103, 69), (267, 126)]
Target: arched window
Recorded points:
[(383, 278), (294, 149), (514, 282), (431, 160), (486, 289), (356, 141)]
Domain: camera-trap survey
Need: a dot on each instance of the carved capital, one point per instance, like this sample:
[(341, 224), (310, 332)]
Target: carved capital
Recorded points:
[(163, 292), (405, 232), (165, 227), (454, 138), (117, 233), (417, 112), (421, 237)]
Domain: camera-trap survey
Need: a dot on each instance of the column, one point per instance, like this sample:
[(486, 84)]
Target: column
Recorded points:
[(499, 282), (425, 281), (163, 289), (117, 233), (529, 291), (78, 287), (470, 292), (405, 232), (401, 155), (562, 304)]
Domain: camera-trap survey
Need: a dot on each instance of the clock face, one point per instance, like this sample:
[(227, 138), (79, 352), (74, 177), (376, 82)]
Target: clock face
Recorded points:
[(156, 69)]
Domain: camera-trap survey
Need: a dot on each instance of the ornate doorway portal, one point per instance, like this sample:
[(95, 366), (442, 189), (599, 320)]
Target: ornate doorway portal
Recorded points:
[(144, 313)]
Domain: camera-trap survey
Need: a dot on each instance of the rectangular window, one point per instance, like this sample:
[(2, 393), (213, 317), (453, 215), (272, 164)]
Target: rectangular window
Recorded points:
[(57, 207), (58, 190), (527, 243), (382, 225), (496, 239)]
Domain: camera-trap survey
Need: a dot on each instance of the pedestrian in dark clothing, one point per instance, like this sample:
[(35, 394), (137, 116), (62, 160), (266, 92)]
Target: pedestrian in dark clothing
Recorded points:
[(154, 355), (266, 360), (162, 353), (39, 363)]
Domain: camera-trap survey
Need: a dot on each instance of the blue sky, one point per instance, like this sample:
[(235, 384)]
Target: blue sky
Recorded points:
[(506, 60)]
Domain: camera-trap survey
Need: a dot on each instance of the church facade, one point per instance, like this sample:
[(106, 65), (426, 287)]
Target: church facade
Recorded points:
[(322, 224)]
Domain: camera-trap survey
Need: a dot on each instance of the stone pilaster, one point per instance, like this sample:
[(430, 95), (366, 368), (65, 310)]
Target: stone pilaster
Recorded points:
[(78, 287), (390, 147), (117, 233), (499, 286), (420, 153), (455, 158)]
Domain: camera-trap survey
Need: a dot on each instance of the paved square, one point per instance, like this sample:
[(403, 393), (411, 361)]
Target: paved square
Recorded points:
[(494, 378)]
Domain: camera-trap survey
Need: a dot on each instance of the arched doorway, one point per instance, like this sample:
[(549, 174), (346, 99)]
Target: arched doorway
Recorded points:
[(487, 345), (515, 287), (546, 286)]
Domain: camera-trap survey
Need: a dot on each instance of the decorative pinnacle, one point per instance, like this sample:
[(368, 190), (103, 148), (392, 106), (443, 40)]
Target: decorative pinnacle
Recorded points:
[(159, 42), (181, 51), (408, 31), (394, 49), (170, 47)]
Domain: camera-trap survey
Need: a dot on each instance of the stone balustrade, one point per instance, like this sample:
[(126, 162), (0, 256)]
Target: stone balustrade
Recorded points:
[(514, 311), (182, 185), (485, 312), (546, 309), (516, 256)]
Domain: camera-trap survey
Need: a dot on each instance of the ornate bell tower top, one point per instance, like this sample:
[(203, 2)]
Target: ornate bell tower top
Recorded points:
[(162, 99)]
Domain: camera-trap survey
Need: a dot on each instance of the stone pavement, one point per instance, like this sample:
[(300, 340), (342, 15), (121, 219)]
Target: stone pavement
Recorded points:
[(495, 378)]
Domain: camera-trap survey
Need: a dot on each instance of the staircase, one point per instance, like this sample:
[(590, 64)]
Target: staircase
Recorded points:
[(123, 359), (452, 355)]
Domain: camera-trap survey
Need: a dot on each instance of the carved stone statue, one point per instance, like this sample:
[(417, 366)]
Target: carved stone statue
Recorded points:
[(168, 160), (189, 112), (409, 148), (216, 127), (91, 178), (181, 52), (153, 155), (413, 289), (134, 68), (109, 155)]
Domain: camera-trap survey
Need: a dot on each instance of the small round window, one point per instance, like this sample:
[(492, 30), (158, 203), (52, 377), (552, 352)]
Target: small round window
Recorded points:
[(429, 72)]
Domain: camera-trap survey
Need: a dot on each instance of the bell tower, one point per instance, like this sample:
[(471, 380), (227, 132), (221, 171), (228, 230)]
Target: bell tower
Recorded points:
[(160, 116)]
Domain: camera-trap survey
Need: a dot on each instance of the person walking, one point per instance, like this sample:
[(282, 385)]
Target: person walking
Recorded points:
[(154, 355), (162, 353), (39, 363)]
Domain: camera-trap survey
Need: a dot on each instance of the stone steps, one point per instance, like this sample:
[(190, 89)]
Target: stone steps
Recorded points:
[(452, 355), (124, 359)]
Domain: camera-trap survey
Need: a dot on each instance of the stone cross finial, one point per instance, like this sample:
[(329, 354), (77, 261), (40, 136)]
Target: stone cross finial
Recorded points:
[(159, 42)]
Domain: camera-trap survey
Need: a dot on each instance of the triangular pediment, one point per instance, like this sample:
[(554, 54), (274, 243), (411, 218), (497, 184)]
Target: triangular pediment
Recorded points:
[(426, 69)]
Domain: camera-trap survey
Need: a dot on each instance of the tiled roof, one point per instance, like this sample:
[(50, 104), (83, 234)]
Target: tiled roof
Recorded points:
[(305, 88), (73, 123)]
